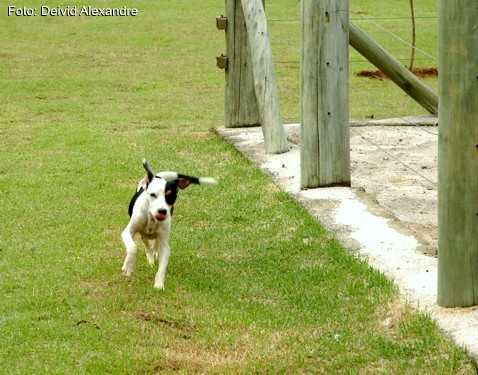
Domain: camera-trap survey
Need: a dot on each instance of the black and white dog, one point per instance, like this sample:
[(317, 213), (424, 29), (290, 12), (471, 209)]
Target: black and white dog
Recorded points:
[(150, 211)]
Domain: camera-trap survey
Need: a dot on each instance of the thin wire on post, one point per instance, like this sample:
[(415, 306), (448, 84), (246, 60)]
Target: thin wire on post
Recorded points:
[(434, 184), (398, 38), (380, 105)]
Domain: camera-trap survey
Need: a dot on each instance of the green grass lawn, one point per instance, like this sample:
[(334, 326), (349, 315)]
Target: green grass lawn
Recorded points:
[(255, 284)]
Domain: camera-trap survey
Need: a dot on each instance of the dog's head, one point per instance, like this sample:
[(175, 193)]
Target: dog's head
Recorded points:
[(162, 191)]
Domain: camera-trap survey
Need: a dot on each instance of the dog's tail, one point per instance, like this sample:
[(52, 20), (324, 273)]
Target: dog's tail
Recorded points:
[(207, 181)]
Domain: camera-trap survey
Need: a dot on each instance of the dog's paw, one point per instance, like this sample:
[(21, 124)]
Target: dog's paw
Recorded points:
[(150, 257), (159, 281), (126, 271), (128, 264)]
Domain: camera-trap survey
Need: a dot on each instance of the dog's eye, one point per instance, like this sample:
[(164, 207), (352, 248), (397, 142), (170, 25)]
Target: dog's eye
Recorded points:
[(152, 195)]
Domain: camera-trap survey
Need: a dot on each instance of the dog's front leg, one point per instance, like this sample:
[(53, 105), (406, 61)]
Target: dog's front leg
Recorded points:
[(131, 249), (151, 252), (165, 253)]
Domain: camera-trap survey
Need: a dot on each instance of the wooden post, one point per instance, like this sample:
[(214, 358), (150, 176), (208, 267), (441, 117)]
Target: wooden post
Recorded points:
[(240, 103), (325, 142), (393, 69), (458, 154), (264, 79)]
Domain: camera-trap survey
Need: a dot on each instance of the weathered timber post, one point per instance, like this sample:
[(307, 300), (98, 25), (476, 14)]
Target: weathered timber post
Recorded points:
[(324, 141), (458, 154), (393, 69), (240, 103), (264, 79)]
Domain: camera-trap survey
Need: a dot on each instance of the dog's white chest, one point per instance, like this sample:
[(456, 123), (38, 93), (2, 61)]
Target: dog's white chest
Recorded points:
[(151, 229)]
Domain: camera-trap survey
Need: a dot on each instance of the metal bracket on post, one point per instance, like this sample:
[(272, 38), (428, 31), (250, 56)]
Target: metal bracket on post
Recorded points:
[(221, 22), (222, 61)]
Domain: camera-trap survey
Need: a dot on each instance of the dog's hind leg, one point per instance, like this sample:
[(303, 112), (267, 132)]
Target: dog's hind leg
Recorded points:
[(151, 252), (131, 250), (164, 255)]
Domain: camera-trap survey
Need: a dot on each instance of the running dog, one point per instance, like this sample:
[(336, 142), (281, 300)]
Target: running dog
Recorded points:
[(150, 211)]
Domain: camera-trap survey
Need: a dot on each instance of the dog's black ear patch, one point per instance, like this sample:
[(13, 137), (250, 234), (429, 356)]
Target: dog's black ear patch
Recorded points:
[(133, 201), (171, 192)]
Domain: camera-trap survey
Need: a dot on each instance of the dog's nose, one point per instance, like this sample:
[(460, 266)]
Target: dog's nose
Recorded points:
[(162, 212)]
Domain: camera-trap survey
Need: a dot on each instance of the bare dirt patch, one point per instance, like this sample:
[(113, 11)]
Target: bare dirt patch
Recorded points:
[(397, 166), (427, 72)]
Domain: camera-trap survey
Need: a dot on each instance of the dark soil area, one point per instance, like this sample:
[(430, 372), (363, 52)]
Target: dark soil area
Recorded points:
[(419, 72)]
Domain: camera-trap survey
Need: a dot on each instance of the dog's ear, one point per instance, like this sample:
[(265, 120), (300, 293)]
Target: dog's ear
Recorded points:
[(183, 181), (149, 174)]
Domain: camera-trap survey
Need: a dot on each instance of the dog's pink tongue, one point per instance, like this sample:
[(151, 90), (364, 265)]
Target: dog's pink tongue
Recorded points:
[(160, 217)]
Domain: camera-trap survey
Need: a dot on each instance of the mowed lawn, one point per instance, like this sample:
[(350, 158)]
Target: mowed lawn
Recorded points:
[(255, 284)]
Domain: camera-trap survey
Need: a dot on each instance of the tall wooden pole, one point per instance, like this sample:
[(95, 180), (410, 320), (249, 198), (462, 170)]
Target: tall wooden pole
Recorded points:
[(267, 95), (240, 103), (325, 142), (458, 154)]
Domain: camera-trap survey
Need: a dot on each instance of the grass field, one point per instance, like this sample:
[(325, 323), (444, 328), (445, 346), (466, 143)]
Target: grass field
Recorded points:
[(255, 285)]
